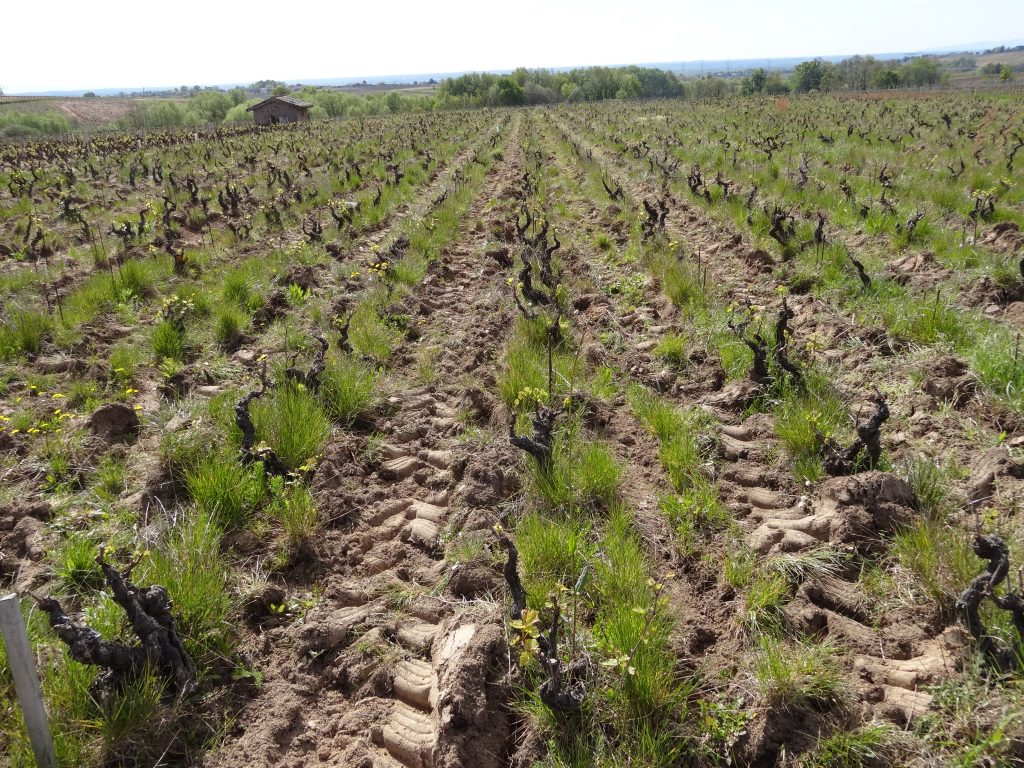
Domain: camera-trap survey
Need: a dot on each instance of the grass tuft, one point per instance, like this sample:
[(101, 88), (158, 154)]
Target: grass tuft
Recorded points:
[(806, 415), (939, 558), (348, 388), (294, 510), (292, 423), (228, 325), (76, 566), (168, 341), (766, 596), (191, 566), (225, 491), (798, 675), (23, 332), (858, 748)]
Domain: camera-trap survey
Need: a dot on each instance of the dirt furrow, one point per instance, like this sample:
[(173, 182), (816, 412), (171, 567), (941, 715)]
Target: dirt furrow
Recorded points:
[(390, 668), (702, 617), (888, 664)]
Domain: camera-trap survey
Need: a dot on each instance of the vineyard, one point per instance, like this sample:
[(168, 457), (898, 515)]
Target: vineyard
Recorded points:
[(81, 112), (658, 433)]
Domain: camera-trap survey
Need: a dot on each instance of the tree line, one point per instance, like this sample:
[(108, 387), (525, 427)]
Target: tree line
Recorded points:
[(857, 73), (543, 86), (523, 86)]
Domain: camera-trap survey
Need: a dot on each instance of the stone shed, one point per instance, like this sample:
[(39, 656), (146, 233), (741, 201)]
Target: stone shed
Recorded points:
[(280, 109)]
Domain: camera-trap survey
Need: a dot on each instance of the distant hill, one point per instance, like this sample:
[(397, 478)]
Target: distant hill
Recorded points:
[(689, 68)]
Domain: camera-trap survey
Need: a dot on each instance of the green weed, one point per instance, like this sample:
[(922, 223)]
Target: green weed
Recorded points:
[(22, 332), (798, 675), (672, 349), (766, 596), (190, 565), (111, 476), (224, 491), (804, 416), (291, 421), (939, 557), (75, 564), (294, 510), (229, 323), (348, 388), (858, 748), (168, 341), (582, 474)]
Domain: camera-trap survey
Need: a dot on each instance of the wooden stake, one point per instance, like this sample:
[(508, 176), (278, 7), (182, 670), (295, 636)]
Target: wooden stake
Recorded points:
[(26, 681)]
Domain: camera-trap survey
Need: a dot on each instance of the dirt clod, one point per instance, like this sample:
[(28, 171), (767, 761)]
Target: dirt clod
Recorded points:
[(117, 422), (948, 380)]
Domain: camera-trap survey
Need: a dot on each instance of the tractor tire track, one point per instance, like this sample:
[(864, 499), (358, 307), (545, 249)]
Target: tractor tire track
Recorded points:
[(388, 670)]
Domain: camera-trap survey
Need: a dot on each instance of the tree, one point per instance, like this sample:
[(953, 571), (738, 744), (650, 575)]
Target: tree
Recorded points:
[(393, 101), (831, 78), (510, 93), (885, 79), (538, 94), (922, 70), (755, 83), (709, 87), (630, 88), (808, 76), (279, 90), (211, 106), (88, 95), (776, 86), (857, 71)]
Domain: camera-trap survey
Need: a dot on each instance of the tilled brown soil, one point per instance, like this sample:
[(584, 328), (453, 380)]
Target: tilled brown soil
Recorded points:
[(403, 659), (401, 663), (890, 659)]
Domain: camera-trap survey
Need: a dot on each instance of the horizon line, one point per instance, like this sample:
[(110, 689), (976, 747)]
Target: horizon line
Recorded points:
[(966, 48)]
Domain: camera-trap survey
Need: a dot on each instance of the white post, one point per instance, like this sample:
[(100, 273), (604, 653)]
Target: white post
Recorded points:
[(26, 681)]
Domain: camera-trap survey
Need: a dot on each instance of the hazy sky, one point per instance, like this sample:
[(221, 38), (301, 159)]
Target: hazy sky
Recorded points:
[(78, 44)]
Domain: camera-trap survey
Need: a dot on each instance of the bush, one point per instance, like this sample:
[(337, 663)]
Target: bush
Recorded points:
[(211, 106), (149, 115), (26, 124), (237, 114)]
